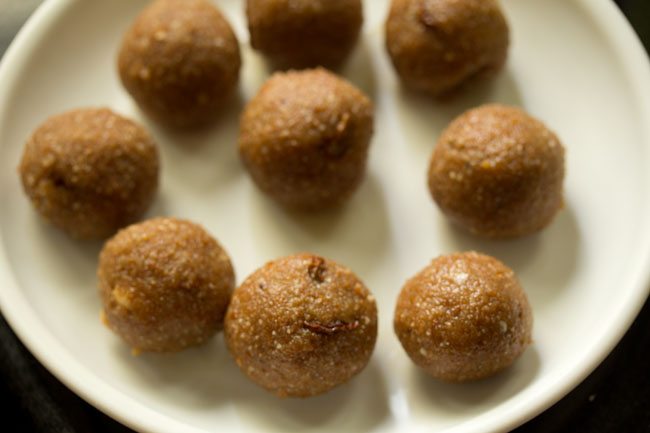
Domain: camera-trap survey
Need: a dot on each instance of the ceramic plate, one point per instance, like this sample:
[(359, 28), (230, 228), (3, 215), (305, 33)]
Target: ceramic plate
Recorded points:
[(574, 64)]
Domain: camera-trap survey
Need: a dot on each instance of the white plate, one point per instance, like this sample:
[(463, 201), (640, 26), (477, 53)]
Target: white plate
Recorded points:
[(575, 64)]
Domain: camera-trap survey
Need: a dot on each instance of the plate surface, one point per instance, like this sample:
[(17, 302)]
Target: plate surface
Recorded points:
[(574, 64)]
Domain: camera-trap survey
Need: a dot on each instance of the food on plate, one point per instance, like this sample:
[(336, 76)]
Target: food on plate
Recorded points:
[(304, 138), (165, 285), (498, 172), (464, 317), (180, 62), (90, 171), (304, 33), (301, 325), (436, 46)]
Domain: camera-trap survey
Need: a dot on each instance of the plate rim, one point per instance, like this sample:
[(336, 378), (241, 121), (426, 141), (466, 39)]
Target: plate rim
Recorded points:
[(128, 410)]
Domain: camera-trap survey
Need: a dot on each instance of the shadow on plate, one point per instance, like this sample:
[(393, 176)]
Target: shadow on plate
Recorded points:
[(356, 234), (160, 205), (206, 157), (545, 262), (357, 68), (423, 118), (204, 377), (465, 397), (71, 261)]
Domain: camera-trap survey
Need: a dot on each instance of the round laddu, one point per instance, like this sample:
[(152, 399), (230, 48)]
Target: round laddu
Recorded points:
[(304, 138), (301, 325), (90, 172), (498, 172), (165, 285), (304, 33), (438, 45), (180, 61), (464, 317)]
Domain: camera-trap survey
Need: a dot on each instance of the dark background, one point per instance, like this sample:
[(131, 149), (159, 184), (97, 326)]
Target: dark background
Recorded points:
[(614, 398)]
